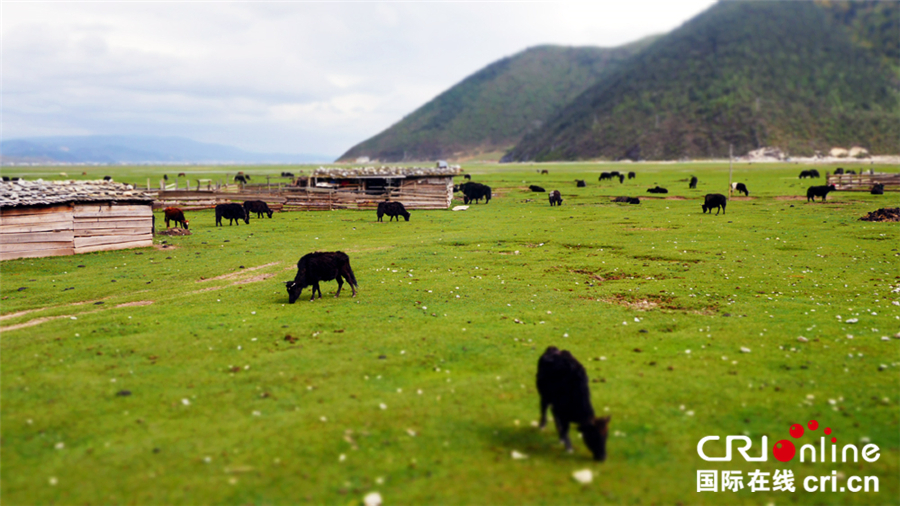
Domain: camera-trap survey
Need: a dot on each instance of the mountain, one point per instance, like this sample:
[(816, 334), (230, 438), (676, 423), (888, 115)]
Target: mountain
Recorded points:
[(492, 109), (134, 149), (796, 75)]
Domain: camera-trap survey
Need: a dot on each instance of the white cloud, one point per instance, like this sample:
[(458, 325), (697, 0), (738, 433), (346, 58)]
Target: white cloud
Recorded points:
[(277, 77)]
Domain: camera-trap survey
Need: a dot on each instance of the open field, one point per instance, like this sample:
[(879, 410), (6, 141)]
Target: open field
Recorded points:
[(422, 386)]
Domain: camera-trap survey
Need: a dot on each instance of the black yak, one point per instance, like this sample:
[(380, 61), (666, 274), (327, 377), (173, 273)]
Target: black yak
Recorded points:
[(240, 178), (555, 198), (818, 191), (604, 176), (714, 200), (321, 266), (232, 212), (257, 206), (631, 175), (627, 200), (657, 190), (393, 210), (536, 188), (693, 184), (579, 183), (877, 189), (175, 214), (563, 386), (473, 192), (467, 177)]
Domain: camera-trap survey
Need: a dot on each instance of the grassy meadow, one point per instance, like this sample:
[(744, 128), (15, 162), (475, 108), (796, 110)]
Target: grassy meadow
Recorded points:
[(422, 386)]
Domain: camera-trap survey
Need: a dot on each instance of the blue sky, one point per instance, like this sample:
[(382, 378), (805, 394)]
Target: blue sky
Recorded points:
[(288, 77)]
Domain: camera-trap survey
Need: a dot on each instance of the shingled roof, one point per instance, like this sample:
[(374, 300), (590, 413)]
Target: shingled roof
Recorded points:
[(40, 192), (385, 172)]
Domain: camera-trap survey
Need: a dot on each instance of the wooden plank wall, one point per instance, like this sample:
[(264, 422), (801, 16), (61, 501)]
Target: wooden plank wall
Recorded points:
[(36, 232), (102, 227), (414, 193), (864, 182)]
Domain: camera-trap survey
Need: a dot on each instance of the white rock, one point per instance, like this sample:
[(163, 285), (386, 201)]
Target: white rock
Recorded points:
[(518, 456), (745, 350), (803, 339), (460, 208), (584, 476)]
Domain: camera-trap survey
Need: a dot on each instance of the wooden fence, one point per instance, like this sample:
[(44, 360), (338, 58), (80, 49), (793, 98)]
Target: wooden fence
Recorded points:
[(864, 182)]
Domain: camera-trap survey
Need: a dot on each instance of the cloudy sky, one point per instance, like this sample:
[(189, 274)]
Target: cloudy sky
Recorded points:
[(285, 77)]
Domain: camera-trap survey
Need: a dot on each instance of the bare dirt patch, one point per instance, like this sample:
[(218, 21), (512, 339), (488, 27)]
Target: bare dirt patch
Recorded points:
[(650, 302), (675, 197), (162, 247), (136, 303), (237, 273), (644, 228), (742, 198), (253, 279), (27, 311), (790, 197), (173, 231)]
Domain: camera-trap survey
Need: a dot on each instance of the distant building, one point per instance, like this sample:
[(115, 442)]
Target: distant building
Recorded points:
[(50, 218)]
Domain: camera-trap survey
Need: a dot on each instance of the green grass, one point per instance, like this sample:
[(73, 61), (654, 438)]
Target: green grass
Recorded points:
[(757, 277)]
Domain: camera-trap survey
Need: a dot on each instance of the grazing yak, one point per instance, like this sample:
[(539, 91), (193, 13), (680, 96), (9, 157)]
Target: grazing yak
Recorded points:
[(321, 266), (839, 170), (621, 178), (818, 191), (563, 386), (107, 178), (287, 174), (393, 210), (877, 189), (714, 200), (182, 174), (555, 198), (657, 190), (257, 206), (536, 188), (631, 175), (627, 200), (809, 173), (240, 178), (473, 192), (579, 183), (233, 213), (693, 184), (545, 171), (467, 177), (176, 215), (604, 176), (740, 188)]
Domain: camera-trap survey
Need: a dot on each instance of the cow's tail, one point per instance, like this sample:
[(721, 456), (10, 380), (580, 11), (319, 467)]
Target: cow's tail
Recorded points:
[(350, 277)]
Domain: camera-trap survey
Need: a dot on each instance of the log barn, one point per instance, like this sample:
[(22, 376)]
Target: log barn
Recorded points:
[(365, 187), (50, 218)]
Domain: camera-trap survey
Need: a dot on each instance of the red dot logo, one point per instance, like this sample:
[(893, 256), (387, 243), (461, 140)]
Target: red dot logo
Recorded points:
[(813, 425), (796, 430), (828, 431), (784, 450), (834, 440)]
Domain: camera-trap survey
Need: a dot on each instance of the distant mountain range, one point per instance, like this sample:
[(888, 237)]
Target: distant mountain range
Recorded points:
[(801, 76), (492, 109), (135, 150)]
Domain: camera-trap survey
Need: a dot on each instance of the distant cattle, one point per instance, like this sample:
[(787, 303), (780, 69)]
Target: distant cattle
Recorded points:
[(393, 210), (257, 206), (621, 178), (175, 214), (580, 183), (467, 177), (536, 188), (809, 173), (818, 191), (693, 183), (631, 175), (627, 200), (877, 189), (839, 170), (851, 172), (714, 200), (6, 178), (231, 212), (562, 384), (614, 173), (240, 178), (473, 192), (545, 171), (657, 190), (182, 174), (555, 198), (107, 178), (740, 188), (604, 176), (321, 266), (166, 177)]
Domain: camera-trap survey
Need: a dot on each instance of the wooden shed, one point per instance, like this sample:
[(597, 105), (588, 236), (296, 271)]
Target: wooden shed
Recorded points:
[(50, 218), (365, 187)]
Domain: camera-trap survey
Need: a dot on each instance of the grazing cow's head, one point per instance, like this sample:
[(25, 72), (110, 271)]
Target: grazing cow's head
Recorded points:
[(704, 207), (185, 224), (294, 288), (406, 215), (594, 434)]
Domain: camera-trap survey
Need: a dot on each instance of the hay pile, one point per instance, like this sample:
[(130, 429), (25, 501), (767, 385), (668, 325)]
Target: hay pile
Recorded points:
[(889, 214)]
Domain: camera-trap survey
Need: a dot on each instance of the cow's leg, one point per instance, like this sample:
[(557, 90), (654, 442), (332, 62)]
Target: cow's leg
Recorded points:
[(562, 429), (340, 284), (544, 406)]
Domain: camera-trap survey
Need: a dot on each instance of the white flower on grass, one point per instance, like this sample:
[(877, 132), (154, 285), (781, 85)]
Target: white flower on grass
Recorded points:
[(852, 320), (689, 413), (518, 456), (60, 445), (256, 413), (53, 481), (584, 476), (207, 459), (411, 432), (342, 458), (324, 419), (745, 349), (186, 402), (373, 498), (382, 406)]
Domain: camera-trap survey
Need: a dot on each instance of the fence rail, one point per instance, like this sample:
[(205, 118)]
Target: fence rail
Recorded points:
[(864, 182)]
